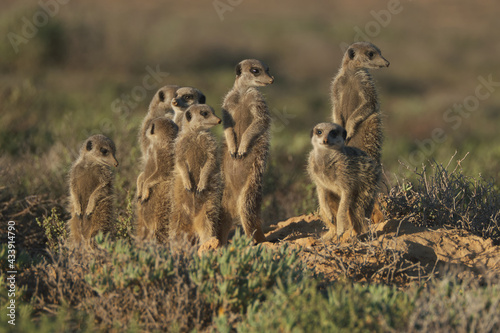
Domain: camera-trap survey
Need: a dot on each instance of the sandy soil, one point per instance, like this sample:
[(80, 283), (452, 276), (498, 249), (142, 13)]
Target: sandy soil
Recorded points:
[(394, 252)]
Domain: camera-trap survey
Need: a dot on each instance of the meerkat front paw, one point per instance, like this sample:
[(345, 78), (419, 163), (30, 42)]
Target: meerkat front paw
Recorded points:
[(145, 194)]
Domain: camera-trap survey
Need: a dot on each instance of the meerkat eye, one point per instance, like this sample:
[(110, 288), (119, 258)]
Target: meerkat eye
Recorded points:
[(319, 132), (204, 113), (370, 54), (104, 151), (255, 71), (188, 97)]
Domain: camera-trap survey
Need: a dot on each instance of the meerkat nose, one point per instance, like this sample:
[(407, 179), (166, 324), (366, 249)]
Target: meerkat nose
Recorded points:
[(387, 63), (325, 141), (272, 80), (174, 102), (220, 121)]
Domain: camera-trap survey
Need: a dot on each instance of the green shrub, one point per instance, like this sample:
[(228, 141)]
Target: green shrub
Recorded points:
[(343, 307), (54, 228), (450, 199), (240, 274)]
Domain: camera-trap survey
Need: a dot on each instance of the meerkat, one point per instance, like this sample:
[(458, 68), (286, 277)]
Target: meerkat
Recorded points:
[(184, 97), (346, 179), (355, 102), (247, 124), (91, 190), (160, 106), (153, 189), (197, 184)]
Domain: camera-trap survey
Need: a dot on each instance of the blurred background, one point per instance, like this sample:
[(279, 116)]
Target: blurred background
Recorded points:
[(70, 69)]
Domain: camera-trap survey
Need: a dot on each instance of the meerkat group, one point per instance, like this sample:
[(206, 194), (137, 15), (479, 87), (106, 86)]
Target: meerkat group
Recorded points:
[(190, 187)]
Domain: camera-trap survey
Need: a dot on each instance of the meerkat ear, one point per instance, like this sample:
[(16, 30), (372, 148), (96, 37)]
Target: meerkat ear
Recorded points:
[(238, 70), (188, 115), (161, 95), (89, 145), (312, 133), (152, 129), (351, 53), (202, 99), (344, 134)]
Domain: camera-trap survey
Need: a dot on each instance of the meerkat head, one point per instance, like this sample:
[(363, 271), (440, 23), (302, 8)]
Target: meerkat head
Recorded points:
[(328, 135), (185, 97), (253, 73), (162, 131), (162, 98), (200, 117), (100, 149), (364, 55)]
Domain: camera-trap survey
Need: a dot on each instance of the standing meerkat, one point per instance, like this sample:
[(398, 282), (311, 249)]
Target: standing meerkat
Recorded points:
[(153, 184), (346, 179), (247, 124), (355, 101), (91, 190), (160, 106), (197, 184), (184, 97)]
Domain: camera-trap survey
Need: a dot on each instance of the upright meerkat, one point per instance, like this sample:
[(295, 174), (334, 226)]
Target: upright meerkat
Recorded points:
[(184, 97), (247, 124), (197, 185), (91, 190), (160, 106), (355, 101), (346, 179), (153, 185)]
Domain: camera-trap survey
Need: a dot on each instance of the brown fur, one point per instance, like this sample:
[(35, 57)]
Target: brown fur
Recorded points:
[(185, 97), (355, 103), (153, 189), (197, 185), (346, 179), (160, 106), (355, 100), (247, 134), (91, 190)]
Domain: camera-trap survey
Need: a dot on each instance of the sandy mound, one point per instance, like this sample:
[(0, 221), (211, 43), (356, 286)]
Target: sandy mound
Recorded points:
[(395, 251)]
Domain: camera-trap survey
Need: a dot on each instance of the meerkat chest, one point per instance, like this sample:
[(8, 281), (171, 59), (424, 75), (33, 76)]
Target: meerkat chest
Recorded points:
[(87, 179), (328, 171), (194, 152)]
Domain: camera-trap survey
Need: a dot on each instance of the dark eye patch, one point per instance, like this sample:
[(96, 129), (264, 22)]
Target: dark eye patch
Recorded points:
[(104, 151), (188, 97), (204, 113), (255, 71), (370, 54)]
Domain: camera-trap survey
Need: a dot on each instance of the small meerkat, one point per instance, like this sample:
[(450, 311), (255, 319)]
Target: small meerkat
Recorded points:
[(184, 97), (91, 190), (346, 178), (197, 185), (355, 101), (247, 124), (160, 106), (153, 184)]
